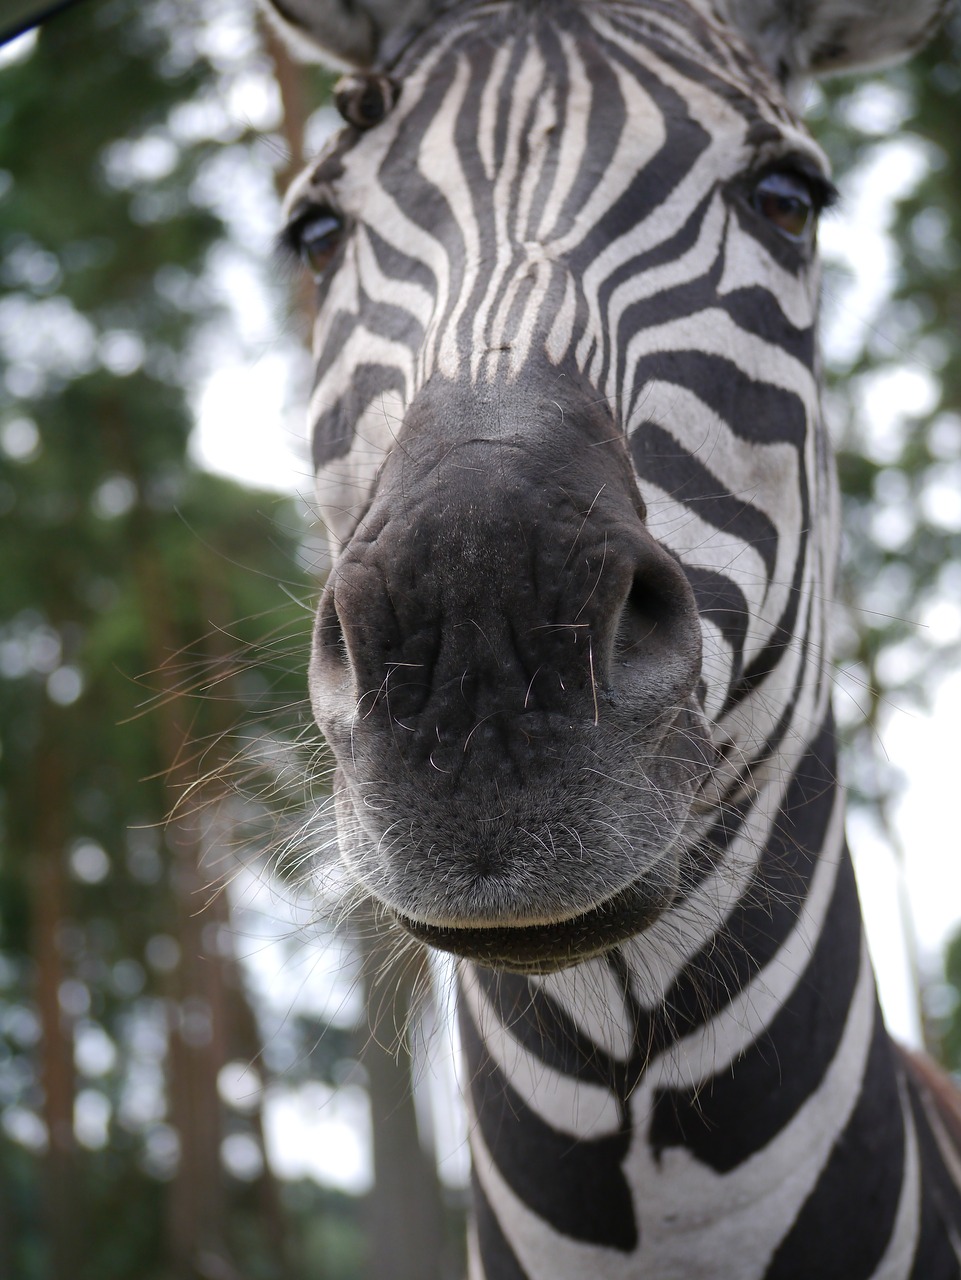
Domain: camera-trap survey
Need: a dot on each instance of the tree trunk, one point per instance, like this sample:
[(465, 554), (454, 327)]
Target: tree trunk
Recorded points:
[(197, 1209), (56, 1051), (405, 1208)]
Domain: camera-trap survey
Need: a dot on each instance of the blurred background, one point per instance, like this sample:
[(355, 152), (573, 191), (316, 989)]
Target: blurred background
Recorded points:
[(201, 1075)]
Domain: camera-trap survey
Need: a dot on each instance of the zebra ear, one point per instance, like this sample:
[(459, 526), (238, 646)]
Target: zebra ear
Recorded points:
[(819, 37), (353, 33)]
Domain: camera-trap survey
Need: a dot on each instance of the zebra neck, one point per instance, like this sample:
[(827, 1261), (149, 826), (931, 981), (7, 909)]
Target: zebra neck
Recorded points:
[(637, 1104)]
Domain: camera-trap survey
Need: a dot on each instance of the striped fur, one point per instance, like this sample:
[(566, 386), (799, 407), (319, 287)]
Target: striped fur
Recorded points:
[(557, 220)]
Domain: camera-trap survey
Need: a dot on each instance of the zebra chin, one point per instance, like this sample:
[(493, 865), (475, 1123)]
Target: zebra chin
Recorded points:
[(511, 890), (546, 948), (519, 936)]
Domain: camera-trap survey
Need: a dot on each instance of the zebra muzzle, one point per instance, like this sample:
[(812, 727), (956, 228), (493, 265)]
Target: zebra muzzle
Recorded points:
[(505, 665)]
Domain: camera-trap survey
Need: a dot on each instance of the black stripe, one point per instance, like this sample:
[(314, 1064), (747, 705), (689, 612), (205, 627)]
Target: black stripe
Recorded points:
[(755, 930), (664, 461), (576, 1185), (556, 60), (484, 210), (782, 636), (722, 602), (605, 124), (661, 254), (547, 1032), (698, 73), (334, 429), (784, 725), (845, 1224), (785, 722), (399, 266), (935, 1259), (756, 311), (681, 301), (725, 1120), (758, 412), (390, 321), (646, 192)]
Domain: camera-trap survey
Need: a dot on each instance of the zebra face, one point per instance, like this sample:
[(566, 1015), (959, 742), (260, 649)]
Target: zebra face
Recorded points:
[(568, 448)]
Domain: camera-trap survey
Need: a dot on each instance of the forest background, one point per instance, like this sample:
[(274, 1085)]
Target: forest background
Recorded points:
[(189, 1083)]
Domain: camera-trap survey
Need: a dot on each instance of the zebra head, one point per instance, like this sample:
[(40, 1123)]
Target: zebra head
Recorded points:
[(568, 443)]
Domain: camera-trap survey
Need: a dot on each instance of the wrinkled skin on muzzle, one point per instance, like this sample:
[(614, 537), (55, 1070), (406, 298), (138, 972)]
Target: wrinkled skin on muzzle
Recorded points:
[(506, 666)]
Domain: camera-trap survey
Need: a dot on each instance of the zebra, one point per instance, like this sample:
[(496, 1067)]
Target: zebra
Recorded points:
[(572, 658)]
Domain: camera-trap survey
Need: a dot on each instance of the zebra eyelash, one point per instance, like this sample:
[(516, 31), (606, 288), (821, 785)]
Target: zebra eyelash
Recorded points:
[(795, 171), (824, 193), (311, 237)]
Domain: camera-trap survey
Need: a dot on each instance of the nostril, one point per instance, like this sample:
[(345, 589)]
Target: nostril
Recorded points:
[(646, 625), (330, 640), (657, 644)]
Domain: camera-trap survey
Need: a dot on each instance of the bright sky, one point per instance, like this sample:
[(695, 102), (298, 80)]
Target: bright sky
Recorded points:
[(924, 747)]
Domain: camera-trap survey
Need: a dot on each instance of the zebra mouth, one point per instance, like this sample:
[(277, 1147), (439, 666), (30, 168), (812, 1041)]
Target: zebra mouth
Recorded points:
[(544, 948)]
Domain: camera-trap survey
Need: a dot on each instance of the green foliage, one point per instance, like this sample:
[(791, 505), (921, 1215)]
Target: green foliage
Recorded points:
[(950, 1022), (900, 469), (896, 401)]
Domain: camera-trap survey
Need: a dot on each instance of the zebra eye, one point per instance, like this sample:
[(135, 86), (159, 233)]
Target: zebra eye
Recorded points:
[(318, 236), (787, 201)]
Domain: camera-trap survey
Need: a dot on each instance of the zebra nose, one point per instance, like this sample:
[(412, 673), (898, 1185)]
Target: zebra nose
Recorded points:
[(505, 628), (655, 648), (494, 577)]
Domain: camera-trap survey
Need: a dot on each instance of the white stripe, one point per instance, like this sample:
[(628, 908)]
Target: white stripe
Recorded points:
[(491, 98), (747, 265), (525, 88), (569, 1106), (713, 332), (658, 956), (573, 141), (439, 162), (899, 1255), (362, 347), (713, 1048), (739, 1218), (689, 266)]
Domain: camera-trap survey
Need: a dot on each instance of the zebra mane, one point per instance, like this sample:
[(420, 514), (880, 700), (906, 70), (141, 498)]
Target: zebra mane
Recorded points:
[(794, 38)]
